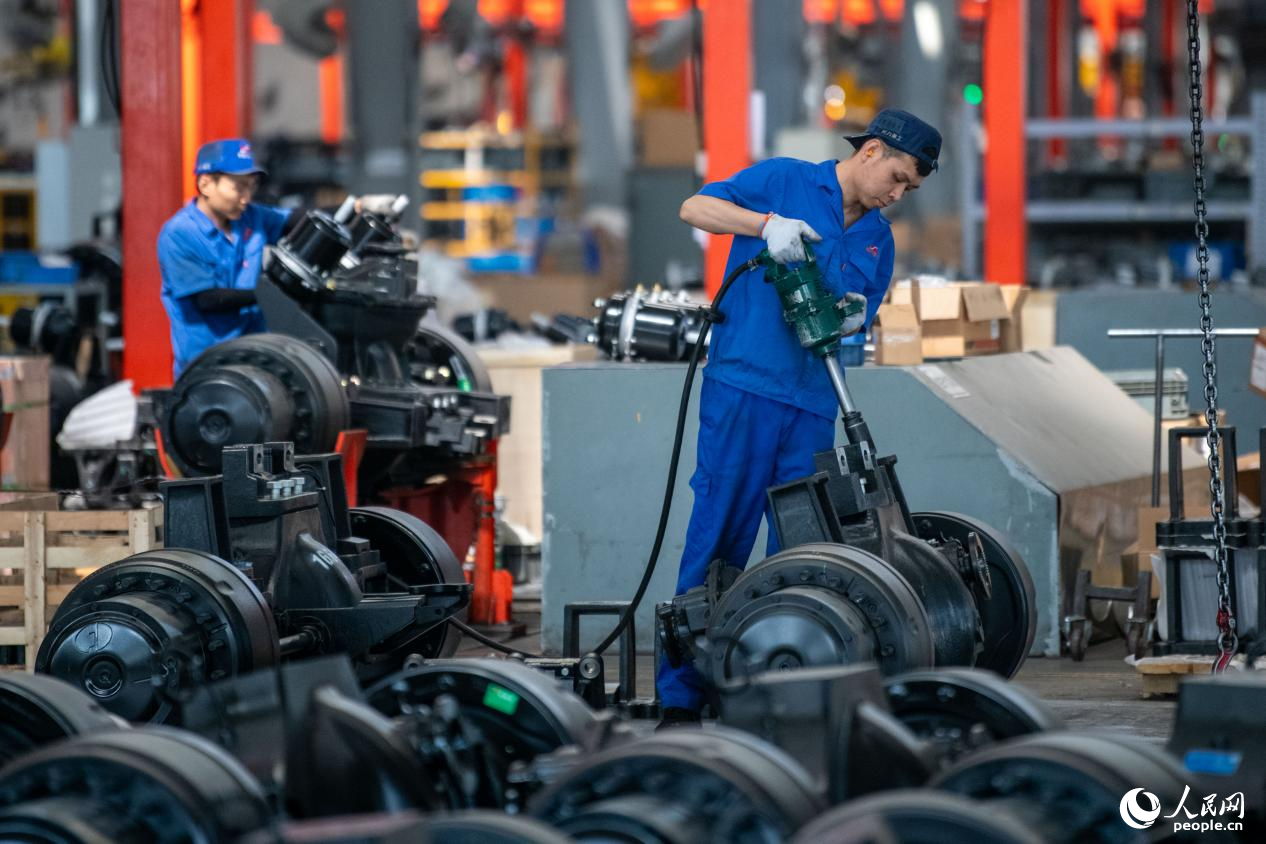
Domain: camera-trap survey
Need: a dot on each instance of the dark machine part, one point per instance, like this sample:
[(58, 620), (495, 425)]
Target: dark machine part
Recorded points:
[(286, 520), (65, 390), (584, 676), (565, 328), (364, 319), (862, 579), (508, 713), (655, 326), (471, 826), (306, 733), (257, 388), (999, 581), (440, 357), (49, 328), (835, 722), (1218, 734), (960, 710), (137, 634), (1191, 575), (36, 711), (908, 816), (311, 250), (122, 477), (477, 826), (368, 233), (1072, 788), (414, 555), (588, 678), (682, 787), (485, 324), (74, 342), (152, 784)]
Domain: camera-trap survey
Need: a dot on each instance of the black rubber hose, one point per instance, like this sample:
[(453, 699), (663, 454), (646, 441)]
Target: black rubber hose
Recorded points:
[(666, 508), (627, 616)]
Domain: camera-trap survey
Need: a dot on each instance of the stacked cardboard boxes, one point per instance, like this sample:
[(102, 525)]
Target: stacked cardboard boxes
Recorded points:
[(942, 319)]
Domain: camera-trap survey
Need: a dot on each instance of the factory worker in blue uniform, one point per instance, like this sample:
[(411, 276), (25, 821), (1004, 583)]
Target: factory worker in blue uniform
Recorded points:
[(766, 404), (210, 252)]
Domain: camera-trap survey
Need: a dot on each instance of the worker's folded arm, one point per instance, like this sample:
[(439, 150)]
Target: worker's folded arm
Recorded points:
[(223, 299)]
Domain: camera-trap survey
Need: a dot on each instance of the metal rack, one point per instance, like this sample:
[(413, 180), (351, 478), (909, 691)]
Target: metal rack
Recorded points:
[(1251, 211)]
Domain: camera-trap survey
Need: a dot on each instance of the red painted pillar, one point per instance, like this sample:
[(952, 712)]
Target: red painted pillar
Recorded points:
[(1056, 62), (727, 85), (483, 595), (1005, 82), (152, 174), (226, 83)]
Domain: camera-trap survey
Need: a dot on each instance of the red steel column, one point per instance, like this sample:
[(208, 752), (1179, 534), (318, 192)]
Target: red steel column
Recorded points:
[(151, 124), (1005, 81), (727, 85), (226, 84)]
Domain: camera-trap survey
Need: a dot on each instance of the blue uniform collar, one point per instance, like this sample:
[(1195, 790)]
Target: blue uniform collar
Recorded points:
[(205, 224), (828, 182)]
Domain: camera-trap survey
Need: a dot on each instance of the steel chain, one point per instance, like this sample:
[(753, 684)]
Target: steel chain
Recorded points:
[(1227, 641)]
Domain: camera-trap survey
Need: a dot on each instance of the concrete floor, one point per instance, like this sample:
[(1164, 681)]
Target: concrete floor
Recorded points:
[(1100, 693)]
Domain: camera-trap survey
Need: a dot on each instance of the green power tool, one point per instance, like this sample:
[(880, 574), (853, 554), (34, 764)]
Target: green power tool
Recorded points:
[(813, 313)]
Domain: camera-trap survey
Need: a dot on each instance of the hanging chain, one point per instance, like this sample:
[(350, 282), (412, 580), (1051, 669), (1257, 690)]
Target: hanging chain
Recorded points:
[(1227, 641)]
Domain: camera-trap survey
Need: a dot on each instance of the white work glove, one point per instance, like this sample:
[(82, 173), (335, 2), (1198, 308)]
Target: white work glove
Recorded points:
[(852, 324), (382, 204), (783, 236)]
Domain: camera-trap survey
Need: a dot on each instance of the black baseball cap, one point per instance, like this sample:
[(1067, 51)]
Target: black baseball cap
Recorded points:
[(902, 130)]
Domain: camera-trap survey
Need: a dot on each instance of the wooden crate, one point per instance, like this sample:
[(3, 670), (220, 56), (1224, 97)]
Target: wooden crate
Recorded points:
[(46, 549)]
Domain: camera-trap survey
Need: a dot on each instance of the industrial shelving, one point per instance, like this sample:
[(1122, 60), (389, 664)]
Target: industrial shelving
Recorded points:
[(487, 195), (1107, 211)]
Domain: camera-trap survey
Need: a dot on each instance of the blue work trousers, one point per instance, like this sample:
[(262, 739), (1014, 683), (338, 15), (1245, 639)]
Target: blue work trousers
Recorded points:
[(747, 443)]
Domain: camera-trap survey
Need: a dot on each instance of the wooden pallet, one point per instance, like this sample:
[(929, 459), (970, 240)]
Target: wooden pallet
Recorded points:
[(1162, 674), (50, 550)]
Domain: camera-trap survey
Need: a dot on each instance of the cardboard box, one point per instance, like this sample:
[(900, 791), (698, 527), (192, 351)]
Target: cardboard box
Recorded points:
[(1138, 556), (1257, 365), (959, 319), (667, 138), (1014, 295), (897, 337), (24, 460), (517, 373), (1037, 320)]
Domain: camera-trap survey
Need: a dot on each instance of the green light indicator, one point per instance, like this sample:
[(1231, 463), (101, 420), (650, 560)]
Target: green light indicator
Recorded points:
[(463, 384), (973, 94), (1222, 142), (501, 699)]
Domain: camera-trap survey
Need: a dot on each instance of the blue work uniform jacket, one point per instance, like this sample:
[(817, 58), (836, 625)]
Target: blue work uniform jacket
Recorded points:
[(753, 349), (195, 255)]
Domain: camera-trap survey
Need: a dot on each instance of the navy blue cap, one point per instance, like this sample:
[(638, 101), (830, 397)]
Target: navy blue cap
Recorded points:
[(228, 155), (902, 130)]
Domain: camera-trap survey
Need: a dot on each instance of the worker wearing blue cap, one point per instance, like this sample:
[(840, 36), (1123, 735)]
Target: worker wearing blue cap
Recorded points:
[(766, 405), (210, 252)]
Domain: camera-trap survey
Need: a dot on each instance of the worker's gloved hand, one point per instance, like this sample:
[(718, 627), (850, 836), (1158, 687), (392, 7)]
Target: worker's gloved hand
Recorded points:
[(381, 204), (852, 324), (784, 238)]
